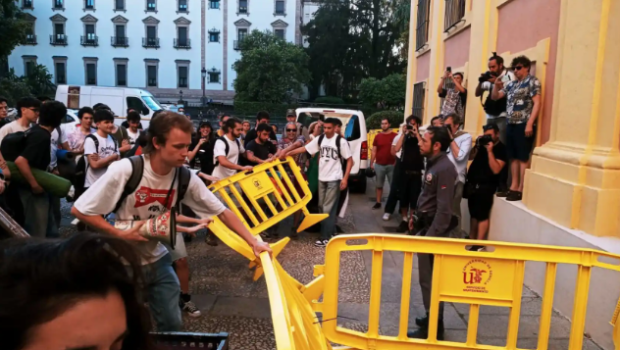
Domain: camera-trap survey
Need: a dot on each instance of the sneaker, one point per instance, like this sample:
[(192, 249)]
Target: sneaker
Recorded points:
[(386, 217), (514, 196), (191, 309), (321, 243), (476, 248), (376, 206), (403, 227)]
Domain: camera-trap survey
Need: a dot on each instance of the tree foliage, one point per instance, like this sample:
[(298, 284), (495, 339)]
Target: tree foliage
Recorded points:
[(395, 118), (13, 88), (270, 69), (37, 83), (40, 81), (350, 40), (12, 26), (386, 93)]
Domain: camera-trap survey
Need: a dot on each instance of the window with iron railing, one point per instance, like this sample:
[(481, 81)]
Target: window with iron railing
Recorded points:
[(423, 21), (182, 77), (58, 39), (61, 73), (121, 75), (119, 5), (89, 4), (31, 39), (455, 12), (214, 77), (91, 74), (214, 4), (279, 33), (27, 4), (214, 37), (151, 5), (280, 7), (418, 100), (243, 6), (152, 75), (58, 4), (182, 5)]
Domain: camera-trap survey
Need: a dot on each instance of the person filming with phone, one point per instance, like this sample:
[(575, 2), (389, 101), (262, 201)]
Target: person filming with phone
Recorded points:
[(454, 98), (489, 159)]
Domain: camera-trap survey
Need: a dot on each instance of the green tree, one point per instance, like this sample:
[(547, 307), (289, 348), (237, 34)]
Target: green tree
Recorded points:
[(40, 81), (386, 93), (270, 69), (352, 40), (13, 87), (12, 26)]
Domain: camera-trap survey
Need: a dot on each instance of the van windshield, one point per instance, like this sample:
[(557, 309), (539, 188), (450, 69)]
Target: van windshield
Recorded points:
[(350, 122), (152, 103)]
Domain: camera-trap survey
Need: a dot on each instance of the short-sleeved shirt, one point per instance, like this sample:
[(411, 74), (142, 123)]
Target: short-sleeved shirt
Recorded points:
[(10, 128), (383, 142), (76, 137), (330, 162), (519, 105), (38, 148), (203, 160), (458, 107), (56, 140), (234, 152), (107, 147), (300, 159), (252, 135), (480, 172), (260, 150)]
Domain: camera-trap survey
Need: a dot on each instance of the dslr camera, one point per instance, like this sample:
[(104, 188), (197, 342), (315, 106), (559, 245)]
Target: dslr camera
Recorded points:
[(485, 76), (484, 140)]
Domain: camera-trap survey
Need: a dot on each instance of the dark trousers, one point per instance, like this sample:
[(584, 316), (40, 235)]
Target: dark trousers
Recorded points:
[(425, 266), (411, 185), (395, 187)]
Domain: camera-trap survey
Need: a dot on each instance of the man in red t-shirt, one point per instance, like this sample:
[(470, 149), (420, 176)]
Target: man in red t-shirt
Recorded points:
[(382, 161)]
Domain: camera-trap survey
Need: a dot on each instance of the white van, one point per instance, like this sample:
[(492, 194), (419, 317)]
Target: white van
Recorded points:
[(119, 99), (354, 131)]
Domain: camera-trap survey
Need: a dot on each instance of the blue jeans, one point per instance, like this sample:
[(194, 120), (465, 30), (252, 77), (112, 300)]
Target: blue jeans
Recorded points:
[(329, 192), (39, 218), (163, 291)]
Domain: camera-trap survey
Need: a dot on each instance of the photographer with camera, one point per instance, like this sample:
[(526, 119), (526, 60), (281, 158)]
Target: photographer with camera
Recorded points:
[(454, 98), (458, 153), (489, 158), (410, 169)]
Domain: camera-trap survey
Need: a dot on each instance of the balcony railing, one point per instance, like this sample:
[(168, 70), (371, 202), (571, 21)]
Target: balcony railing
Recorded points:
[(421, 34), (455, 11), (243, 9), (182, 44), (150, 42), (31, 39), (120, 41), (27, 4), (237, 44), (89, 40), (59, 5), (58, 40)]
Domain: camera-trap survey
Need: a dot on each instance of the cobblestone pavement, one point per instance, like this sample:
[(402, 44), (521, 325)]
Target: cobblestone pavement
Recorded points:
[(222, 287)]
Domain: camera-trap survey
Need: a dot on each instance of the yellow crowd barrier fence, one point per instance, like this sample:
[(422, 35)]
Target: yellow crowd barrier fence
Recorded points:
[(493, 278)]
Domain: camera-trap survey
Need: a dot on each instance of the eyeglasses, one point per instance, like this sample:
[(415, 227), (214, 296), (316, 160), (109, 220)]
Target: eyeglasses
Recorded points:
[(291, 130), (517, 68)]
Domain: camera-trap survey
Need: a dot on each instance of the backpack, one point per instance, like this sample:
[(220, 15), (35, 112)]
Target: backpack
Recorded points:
[(137, 170), (82, 165), (13, 145), (227, 147)]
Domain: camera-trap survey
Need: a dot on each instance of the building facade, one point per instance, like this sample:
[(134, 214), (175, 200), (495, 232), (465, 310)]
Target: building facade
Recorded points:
[(159, 45), (572, 190)]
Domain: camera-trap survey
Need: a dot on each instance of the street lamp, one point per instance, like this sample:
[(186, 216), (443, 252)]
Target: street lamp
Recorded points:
[(204, 75), (181, 98)]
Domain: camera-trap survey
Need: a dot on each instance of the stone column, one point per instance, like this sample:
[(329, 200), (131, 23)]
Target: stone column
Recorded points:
[(412, 67), (575, 177)]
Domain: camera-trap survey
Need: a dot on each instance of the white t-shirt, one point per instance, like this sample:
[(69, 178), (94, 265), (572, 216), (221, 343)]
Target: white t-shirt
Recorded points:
[(330, 166), (133, 138), (107, 147), (54, 146), (147, 201), (219, 149), (10, 128), (395, 141), (460, 161)]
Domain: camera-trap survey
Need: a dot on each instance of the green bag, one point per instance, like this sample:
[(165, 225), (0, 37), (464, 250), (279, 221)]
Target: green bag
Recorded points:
[(55, 185), (313, 174)]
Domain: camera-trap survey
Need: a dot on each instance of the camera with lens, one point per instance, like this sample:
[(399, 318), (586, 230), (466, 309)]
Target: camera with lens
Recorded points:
[(485, 76), (409, 127), (484, 140)]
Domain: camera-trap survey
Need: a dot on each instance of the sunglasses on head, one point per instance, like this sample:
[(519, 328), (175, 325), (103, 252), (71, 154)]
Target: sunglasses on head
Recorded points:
[(291, 130)]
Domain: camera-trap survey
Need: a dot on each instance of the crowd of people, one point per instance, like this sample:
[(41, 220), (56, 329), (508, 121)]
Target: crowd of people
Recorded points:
[(127, 173)]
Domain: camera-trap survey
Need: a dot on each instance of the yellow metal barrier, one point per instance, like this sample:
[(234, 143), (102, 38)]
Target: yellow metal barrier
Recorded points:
[(460, 276), (281, 180)]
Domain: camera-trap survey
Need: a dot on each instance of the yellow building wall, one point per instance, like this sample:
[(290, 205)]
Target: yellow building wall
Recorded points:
[(574, 179)]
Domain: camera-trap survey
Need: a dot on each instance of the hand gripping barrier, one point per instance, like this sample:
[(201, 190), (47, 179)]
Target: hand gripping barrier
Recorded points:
[(278, 179)]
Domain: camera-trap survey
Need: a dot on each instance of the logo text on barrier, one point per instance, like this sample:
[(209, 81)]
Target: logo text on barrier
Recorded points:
[(476, 275)]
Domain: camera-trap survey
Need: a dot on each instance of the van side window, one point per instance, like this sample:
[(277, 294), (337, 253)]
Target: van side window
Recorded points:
[(135, 104), (67, 119), (352, 131)]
